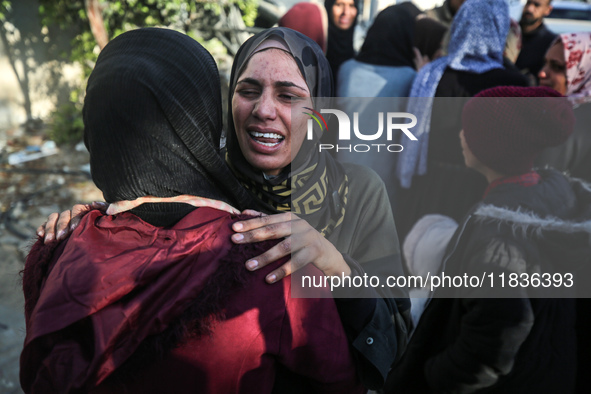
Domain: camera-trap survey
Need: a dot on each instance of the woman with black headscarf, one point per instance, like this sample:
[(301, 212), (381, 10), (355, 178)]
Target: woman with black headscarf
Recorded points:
[(157, 299), (335, 216), (342, 19)]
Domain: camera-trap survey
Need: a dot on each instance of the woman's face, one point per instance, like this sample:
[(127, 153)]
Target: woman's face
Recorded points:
[(553, 74), (344, 13), (265, 96)]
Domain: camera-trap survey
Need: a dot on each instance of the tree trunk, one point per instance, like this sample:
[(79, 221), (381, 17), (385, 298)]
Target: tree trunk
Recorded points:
[(97, 26), (23, 80)]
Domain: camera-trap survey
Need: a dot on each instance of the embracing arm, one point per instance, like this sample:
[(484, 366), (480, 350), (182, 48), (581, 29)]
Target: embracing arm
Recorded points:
[(375, 320)]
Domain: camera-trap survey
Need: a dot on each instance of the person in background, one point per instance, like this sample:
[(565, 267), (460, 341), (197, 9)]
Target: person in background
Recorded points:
[(310, 19), (468, 341), (536, 38), (512, 45), (157, 299), (429, 34), (342, 19), (410, 7), (431, 171), (384, 67), (445, 14), (567, 69)]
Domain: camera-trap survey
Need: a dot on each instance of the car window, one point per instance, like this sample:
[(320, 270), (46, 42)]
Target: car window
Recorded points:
[(584, 15)]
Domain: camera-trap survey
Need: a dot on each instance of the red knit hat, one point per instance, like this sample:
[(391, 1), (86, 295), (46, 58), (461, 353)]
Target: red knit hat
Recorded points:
[(507, 127)]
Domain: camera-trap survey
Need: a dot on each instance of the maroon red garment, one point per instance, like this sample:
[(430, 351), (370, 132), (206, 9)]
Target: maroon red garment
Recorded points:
[(92, 300)]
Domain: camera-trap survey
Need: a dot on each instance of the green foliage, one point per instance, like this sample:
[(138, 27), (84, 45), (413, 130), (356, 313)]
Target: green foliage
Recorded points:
[(123, 15), (193, 17), (4, 9), (67, 126)]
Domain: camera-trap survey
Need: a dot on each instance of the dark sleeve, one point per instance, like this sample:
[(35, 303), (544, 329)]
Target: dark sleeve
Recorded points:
[(492, 331), (375, 319), (377, 328)]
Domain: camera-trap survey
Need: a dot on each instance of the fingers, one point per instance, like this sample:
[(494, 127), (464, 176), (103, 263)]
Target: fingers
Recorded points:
[(267, 232), (41, 230), (100, 205), (278, 251), (59, 225), (77, 212), (252, 212), (298, 261), (279, 273), (50, 224), (261, 221), (63, 224)]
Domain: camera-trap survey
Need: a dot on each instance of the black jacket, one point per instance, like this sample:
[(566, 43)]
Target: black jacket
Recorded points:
[(523, 344), (533, 50)]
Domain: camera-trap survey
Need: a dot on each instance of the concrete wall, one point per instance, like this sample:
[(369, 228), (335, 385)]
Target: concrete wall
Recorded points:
[(34, 78)]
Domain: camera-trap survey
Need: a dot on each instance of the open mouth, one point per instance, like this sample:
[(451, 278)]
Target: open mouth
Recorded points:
[(266, 139)]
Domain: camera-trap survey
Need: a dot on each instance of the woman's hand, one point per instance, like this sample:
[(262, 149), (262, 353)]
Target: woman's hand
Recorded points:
[(59, 225), (302, 241)]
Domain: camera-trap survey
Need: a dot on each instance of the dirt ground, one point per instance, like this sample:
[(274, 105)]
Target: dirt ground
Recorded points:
[(29, 192)]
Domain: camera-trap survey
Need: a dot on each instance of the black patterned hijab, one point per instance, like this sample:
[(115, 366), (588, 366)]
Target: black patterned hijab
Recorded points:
[(152, 123), (312, 176)]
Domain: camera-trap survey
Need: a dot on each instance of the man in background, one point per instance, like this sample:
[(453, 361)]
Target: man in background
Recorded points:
[(536, 38)]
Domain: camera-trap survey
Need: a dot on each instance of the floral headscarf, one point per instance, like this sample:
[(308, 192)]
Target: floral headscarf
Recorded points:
[(577, 54)]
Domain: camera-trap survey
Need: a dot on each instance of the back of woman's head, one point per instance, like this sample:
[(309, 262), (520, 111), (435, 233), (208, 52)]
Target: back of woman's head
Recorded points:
[(152, 118), (389, 41), (309, 19), (478, 33), (429, 35)]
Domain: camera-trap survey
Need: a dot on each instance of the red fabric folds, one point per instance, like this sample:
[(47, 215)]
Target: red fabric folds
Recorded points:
[(117, 283), (127, 293)]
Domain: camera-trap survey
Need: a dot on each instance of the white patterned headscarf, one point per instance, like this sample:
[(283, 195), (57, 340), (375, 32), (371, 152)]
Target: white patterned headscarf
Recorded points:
[(478, 34), (577, 54)]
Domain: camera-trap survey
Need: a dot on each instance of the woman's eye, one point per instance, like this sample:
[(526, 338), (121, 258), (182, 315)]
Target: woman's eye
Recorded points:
[(557, 67), (248, 92)]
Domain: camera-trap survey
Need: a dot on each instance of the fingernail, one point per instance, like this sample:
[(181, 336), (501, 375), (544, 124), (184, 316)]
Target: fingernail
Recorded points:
[(61, 234), (49, 237), (39, 233), (73, 226), (238, 226), (237, 237), (271, 278), (252, 264)]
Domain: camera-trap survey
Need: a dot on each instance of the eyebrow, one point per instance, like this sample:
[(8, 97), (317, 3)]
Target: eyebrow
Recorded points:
[(281, 84)]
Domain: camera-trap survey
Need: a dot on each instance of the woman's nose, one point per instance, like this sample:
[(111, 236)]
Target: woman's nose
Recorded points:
[(265, 107)]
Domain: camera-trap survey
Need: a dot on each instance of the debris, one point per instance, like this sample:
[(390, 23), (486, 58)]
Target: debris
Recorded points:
[(33, 152)]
